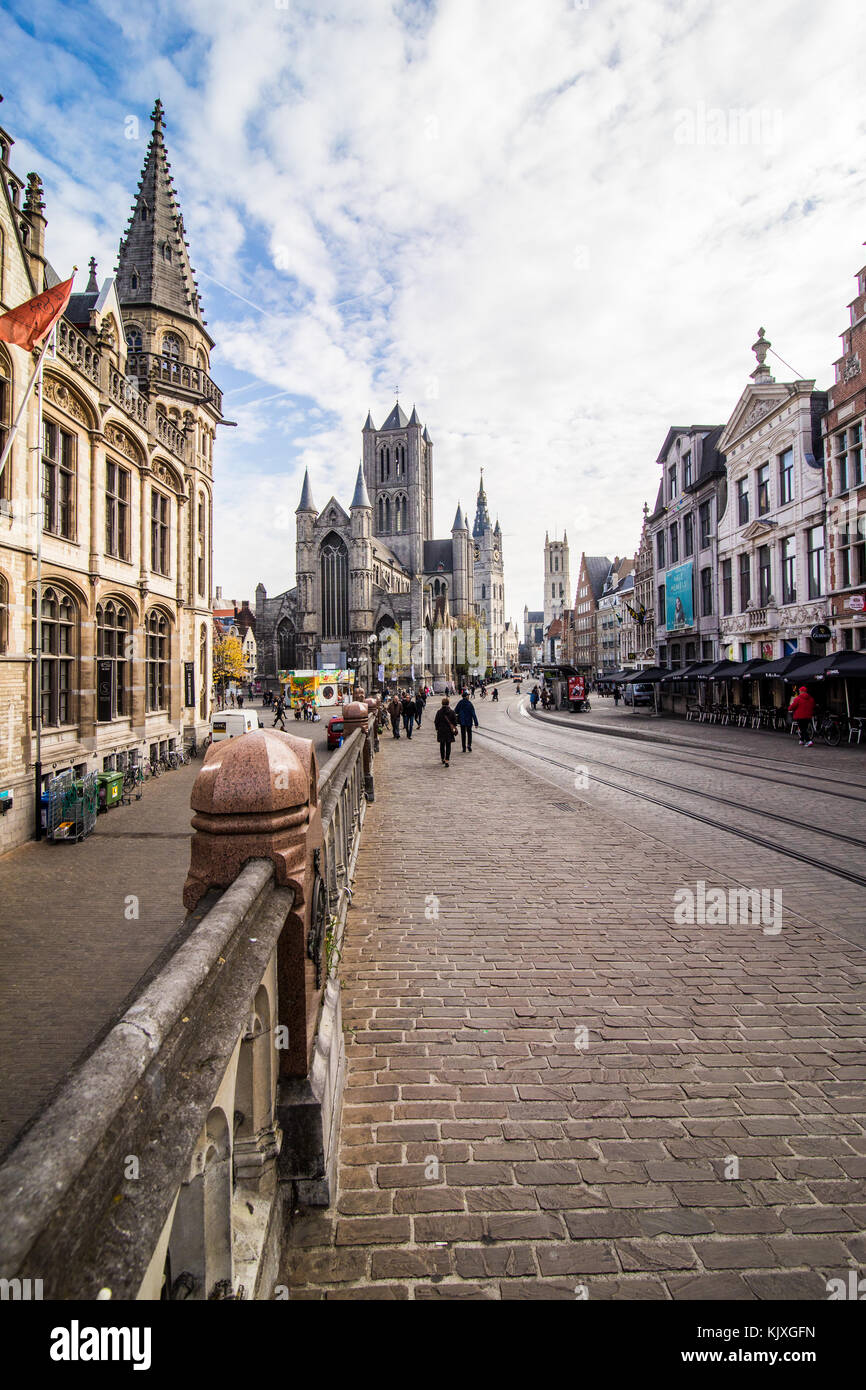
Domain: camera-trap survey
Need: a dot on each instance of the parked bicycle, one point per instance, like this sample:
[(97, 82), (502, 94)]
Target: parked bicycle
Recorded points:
[(829, 728), (133, 782)]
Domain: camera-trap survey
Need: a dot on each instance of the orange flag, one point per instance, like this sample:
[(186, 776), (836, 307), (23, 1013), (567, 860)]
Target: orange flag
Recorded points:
[(33, 320)]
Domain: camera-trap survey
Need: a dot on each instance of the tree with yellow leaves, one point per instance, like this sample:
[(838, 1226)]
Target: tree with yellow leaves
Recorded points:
[(228, 662)]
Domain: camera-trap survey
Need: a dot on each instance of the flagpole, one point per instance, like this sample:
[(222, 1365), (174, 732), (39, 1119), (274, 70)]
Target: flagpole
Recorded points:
[(37, 770), (37, 370)]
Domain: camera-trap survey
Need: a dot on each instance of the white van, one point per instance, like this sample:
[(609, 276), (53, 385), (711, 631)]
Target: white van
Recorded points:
[(229, 723)]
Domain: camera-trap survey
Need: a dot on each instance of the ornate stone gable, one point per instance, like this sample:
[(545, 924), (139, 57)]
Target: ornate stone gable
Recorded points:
[(755, 405)]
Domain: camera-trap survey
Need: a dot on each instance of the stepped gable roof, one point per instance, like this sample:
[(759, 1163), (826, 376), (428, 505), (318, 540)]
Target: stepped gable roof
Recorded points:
[(438, 553), (153, 265)]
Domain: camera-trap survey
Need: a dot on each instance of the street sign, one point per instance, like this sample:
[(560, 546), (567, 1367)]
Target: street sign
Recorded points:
[(820, 633), (855, 603)]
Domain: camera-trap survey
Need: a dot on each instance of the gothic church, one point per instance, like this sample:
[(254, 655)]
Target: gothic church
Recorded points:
[(375, 590)]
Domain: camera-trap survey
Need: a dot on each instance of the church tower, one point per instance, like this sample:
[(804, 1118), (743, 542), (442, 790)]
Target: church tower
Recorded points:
[(360, 572), (168, 356), (489, 583), (398, 471), (557, 585)]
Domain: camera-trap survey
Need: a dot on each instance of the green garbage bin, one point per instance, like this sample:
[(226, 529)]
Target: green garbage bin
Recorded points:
[(110, 789)]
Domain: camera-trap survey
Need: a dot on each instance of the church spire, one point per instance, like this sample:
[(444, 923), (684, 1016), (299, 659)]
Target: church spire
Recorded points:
[(482, 516), (153, 265)]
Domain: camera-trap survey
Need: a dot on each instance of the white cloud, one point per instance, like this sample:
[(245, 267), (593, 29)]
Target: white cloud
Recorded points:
[(494, 206)]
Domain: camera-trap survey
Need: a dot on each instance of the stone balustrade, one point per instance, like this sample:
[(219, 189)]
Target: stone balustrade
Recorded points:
[(167, 1163)]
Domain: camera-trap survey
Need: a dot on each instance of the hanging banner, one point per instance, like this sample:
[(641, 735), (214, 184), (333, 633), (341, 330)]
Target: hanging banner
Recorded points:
[(189, 683), (104, 671), (679, 603)]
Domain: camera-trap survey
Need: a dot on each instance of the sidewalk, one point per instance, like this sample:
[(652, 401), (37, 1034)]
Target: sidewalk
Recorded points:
[(702, 1138), (82, 924)]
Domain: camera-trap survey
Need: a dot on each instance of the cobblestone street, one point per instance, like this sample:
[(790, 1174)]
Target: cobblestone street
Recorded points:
[(553, 1087)]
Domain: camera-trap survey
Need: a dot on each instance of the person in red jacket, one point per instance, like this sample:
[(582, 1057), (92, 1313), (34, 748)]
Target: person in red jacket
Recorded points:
[(802, 707)]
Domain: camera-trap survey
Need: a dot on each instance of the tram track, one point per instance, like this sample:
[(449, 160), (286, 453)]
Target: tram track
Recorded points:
[(741, 834), (650, 747)]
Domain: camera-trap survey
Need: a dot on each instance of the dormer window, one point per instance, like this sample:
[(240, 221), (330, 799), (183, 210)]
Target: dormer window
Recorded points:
[(144, 212), (134, 281), (166, 251)]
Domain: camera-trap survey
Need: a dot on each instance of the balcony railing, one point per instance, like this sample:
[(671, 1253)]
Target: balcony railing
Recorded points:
[(123, 393), (150, 366), (169, 435), (77, 350)]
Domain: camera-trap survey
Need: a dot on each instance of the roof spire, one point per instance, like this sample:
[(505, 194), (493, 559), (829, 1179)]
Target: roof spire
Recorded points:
[(92, 285), (482, 516), (362, 497), (459, 522), (153, 265), (306, 503)]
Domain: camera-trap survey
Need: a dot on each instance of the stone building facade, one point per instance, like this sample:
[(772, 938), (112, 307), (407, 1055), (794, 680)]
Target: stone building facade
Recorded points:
[(683, 532), (124, 495), (844, 439), (557, 584), (771, 555), (375, 590), (489, 580), (591, 578)]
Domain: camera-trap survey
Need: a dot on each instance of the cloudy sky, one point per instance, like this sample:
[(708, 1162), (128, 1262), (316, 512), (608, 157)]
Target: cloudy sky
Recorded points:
[(556, 224)]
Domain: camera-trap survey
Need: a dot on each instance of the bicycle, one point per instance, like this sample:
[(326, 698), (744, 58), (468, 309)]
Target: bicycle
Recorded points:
[(829, 729), (133, 781)]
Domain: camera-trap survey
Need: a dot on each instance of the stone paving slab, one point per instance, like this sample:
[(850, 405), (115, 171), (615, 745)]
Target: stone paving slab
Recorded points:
[(702, 1139)]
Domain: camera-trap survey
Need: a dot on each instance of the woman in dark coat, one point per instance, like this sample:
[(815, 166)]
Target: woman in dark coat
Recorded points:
[(445, 725)]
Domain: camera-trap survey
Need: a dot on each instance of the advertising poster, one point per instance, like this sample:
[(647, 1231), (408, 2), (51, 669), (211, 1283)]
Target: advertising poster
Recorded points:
[(679, 604), (576, 688)]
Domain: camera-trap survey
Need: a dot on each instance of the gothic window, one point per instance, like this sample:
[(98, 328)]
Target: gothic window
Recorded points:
[(171, 354), (201, 558), (166, 252), (144, 211), (58, 480), (158, 656), (58, 630), (285, 647), (112, 637), (134, 280), (134, 339), (483, 590), (334, 578), (384, 463)]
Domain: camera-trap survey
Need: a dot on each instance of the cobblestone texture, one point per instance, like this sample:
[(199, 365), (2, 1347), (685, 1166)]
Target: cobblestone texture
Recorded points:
[(484, 1155)]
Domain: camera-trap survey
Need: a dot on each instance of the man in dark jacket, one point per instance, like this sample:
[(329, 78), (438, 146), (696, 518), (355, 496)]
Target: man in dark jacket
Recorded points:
[(465, 711), (395, 710), (445, 725), (420, 702), (408, 714)]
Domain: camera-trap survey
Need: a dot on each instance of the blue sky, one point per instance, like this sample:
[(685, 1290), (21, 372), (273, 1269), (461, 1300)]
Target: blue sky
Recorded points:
[(556, 228)]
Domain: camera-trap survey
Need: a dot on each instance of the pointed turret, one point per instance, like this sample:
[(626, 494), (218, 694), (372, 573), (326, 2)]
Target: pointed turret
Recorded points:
[(413, 418), (368, 423), (306, 503), (153, 265), (459, 522), (425, 436), (362, 497)]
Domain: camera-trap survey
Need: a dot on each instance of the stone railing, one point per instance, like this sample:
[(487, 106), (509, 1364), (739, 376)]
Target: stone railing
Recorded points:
[(122, 392), (168, 434), (166, 1164), (76, 349), (151, 366)]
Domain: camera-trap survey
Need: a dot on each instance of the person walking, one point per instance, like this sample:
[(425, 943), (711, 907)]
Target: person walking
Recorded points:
[(420, 702), (801, 709), (465, 711), (408, 715), (280, 713), (445, 725), (616, 695), (395, 709), (240, 700), (533, 696), (495, 696)]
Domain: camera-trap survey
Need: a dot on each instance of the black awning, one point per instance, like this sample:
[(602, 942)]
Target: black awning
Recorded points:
[(650, 676), (782, 667), (741, 670), (851, 665)]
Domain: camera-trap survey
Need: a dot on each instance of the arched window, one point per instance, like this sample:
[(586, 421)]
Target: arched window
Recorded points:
[(285, 646), (201, 559), (59, 625), (114, 660), (158, 656), (483, 590), (166, 252), (171, 354), (334, 582), (202, 666), (134, 280)]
